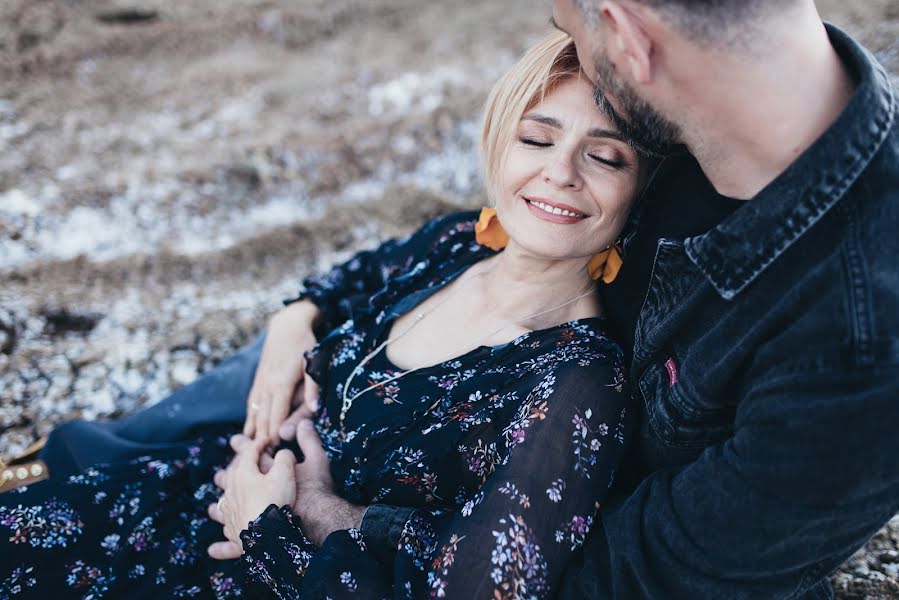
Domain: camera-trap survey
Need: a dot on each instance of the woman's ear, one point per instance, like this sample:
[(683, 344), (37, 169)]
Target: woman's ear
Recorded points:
[(630, 43)]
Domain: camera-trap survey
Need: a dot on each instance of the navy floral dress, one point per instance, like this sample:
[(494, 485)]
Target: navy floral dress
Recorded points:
[(505, 454)]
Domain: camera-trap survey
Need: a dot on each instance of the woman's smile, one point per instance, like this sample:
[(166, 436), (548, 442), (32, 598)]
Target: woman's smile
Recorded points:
[(554, 212)]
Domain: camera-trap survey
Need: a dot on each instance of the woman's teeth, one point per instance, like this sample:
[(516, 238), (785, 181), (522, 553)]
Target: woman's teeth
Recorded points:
[(555, 210)]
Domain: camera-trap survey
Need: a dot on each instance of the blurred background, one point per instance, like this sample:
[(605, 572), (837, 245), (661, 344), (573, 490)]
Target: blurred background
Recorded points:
[(170, 170)]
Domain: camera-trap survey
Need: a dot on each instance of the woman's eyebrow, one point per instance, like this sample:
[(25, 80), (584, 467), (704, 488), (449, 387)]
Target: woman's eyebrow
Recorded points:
[(597, 132)]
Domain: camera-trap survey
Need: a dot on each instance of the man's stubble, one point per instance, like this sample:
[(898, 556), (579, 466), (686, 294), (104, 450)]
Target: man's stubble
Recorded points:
[(642, 125)]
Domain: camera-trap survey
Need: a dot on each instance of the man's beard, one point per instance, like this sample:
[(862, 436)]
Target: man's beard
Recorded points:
[(647, 130)]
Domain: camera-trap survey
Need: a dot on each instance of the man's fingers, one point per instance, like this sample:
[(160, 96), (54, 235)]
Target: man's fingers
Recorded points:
[(310, 444), (225, 550), (219, 479)]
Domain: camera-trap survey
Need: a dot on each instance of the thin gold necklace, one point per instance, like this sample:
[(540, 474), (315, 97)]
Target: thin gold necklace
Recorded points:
[(348, 401)]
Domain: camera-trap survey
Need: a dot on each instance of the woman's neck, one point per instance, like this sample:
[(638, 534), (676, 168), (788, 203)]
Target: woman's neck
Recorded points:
[(520, 284)]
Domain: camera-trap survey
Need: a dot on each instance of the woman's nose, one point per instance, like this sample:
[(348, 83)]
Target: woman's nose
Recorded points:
[(561, 171)]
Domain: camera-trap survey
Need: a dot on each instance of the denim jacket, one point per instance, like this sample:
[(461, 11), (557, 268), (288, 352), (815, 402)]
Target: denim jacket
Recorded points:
[(766, 367)]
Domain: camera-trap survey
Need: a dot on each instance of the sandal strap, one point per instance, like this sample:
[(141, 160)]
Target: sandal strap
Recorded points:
[(14, 476)]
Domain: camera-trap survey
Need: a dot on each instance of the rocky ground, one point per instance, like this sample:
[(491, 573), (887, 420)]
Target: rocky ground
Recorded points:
[(169, 170)]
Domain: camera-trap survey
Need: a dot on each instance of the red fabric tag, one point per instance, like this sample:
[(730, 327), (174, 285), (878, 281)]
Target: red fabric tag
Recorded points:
[(672, 372)]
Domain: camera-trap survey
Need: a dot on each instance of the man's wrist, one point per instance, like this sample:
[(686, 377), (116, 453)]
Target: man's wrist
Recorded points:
[(324, 513)]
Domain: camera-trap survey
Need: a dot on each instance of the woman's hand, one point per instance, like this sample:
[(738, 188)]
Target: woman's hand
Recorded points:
[(320, 509), (280, 380), (249, 491)]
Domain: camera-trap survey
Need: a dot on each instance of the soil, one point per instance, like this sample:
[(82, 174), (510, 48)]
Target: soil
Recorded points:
[(170, 170)]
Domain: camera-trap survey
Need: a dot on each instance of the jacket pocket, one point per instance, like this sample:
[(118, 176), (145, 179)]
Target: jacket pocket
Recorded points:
[(677, 417)]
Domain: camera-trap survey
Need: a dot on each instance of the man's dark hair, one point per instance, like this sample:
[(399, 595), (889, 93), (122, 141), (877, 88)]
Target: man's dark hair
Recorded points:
[(716, 21)]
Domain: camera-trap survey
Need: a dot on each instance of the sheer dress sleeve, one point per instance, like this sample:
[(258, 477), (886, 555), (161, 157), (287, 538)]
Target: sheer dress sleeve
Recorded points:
[(514, 536)]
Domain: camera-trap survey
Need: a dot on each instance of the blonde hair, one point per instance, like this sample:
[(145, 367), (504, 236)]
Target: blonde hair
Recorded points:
[(546, 64)]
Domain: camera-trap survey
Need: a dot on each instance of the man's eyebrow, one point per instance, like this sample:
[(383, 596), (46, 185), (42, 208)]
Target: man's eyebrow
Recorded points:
[(596, 132)]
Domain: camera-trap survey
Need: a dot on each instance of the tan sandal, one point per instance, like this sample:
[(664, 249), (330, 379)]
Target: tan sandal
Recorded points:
[(24, 469)]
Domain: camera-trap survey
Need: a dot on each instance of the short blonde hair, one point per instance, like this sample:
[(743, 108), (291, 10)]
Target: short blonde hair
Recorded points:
[(546, 64)]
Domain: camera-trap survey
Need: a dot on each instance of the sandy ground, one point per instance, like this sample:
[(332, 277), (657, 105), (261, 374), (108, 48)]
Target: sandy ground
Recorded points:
[(169, 170)]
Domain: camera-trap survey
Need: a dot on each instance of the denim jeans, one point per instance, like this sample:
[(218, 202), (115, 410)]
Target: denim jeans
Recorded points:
[(217, 397)]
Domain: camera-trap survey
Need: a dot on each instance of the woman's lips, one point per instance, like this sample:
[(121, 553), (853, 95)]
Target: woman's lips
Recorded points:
[(535, 206)]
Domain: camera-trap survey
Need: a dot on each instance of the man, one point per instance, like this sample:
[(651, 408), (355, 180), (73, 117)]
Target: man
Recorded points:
[(766, 352), (759, 302)]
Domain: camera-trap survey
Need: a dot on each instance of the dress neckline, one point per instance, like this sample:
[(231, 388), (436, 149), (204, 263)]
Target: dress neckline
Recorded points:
[(464, 357)]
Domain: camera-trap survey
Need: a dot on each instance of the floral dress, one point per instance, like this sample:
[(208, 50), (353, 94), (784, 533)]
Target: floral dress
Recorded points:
[(503, 455)]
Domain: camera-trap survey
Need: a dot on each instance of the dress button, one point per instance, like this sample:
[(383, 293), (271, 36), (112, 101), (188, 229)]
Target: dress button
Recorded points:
[(36, 470), (21, 472)]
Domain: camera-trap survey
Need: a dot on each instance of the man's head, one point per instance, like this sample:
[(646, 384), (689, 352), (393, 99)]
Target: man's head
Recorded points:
[(632, 45)]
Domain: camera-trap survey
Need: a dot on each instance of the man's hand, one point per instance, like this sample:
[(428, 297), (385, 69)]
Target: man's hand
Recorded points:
[(320, 509), (281, 371)]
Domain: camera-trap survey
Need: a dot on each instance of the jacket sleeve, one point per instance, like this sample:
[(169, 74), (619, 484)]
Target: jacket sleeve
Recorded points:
[(808, 476), (336, 291), (514, 536)]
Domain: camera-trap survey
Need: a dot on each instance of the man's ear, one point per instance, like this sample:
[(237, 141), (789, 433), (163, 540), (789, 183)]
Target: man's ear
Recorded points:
[(630, 46)]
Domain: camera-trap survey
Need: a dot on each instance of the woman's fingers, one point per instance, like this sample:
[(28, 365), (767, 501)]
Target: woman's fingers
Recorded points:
[(288, 428), (310, 394), (215, 513), (253, 406), (267, 409), (278, 409), (248, 456), (283, 464), (238, 441), (225, 550), (306, 401)]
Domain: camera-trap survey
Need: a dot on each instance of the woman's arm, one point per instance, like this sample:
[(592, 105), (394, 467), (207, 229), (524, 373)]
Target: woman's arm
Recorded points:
[(326, 301)]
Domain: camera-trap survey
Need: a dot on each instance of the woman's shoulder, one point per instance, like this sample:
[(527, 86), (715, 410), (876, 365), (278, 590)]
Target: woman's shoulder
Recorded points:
[(581, 352), (443, 228)]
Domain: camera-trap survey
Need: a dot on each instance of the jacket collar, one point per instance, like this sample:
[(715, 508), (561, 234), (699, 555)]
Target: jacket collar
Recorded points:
[(742, 246)]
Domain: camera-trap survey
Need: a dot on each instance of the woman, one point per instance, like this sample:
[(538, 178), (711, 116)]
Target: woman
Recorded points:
[(505, 432)]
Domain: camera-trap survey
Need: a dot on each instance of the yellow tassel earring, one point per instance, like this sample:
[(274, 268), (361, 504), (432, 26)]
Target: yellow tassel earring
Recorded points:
[(489, 231), (606, 264)]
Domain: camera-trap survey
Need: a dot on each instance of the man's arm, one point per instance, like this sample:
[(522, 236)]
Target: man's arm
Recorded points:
[(808, 476)]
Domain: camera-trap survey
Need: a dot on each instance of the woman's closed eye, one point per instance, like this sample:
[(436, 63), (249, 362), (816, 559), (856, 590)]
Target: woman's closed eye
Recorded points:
[(608, 161), (534, 142)]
